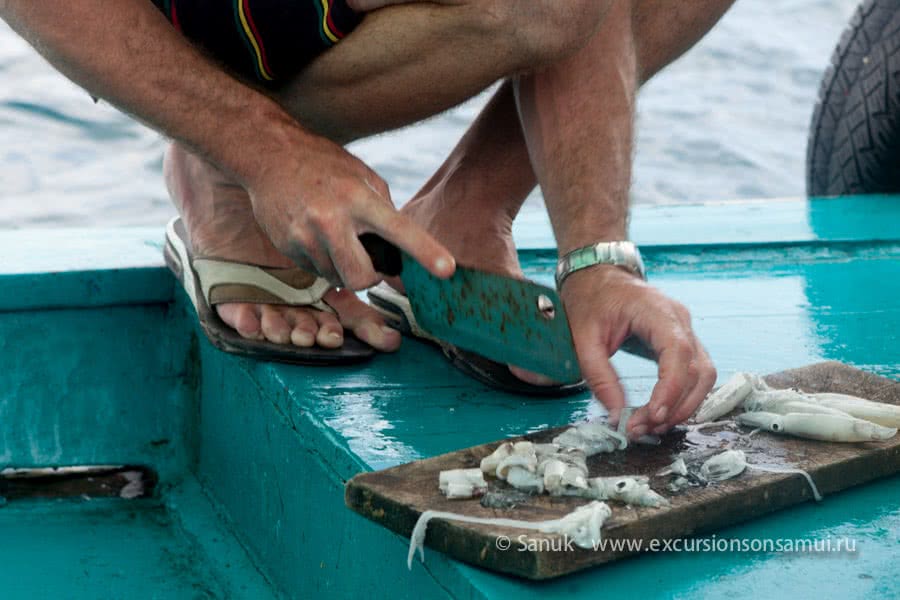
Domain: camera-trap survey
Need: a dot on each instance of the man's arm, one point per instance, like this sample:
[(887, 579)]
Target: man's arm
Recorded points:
[(310, 195), (578, 120)]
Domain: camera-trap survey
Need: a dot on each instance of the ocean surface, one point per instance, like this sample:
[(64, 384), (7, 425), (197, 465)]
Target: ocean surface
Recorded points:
[(728, 120)]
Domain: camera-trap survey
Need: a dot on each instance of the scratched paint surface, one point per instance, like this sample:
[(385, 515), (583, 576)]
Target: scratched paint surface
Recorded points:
[(498, 318)]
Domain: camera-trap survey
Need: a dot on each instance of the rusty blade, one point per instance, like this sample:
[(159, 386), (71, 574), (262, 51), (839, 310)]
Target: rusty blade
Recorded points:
[(512, 321)]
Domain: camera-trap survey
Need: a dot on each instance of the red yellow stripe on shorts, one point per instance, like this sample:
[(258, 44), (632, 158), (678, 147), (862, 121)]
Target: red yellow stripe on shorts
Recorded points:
[(254, 41), (328, 27)]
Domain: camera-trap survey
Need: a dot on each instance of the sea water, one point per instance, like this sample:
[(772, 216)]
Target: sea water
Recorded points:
[(729, 120)]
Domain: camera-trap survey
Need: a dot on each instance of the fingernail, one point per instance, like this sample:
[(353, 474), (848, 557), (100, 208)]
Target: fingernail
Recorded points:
[(661, 413), (639, 430), (442, 265), (661, 429), (615, 415)]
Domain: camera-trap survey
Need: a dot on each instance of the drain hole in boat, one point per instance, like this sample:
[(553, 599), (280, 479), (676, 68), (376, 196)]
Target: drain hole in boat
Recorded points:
[(78, 481)]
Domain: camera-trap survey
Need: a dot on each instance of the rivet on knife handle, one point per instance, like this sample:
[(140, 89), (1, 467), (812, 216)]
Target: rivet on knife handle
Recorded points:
[(386, 257)]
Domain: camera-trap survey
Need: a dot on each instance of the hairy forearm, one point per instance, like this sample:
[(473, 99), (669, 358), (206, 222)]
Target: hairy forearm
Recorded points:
[(126, 53)]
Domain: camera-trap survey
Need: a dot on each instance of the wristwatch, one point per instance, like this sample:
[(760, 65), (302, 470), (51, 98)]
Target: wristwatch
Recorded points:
[(621, 254)]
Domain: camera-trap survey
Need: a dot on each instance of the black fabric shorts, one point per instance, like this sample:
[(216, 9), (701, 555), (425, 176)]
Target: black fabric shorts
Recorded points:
[(264, 40)]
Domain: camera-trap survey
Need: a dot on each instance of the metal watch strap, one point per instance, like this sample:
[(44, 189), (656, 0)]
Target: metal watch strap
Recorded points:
[(621, 254)]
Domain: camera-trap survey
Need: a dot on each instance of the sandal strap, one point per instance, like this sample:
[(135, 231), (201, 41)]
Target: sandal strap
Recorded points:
[(226, 281)]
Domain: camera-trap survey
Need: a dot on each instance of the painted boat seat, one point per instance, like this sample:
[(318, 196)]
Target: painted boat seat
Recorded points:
[(102, 363)]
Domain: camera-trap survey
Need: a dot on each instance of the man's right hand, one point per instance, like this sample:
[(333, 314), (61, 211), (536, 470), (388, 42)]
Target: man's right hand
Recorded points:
[(315, 199)]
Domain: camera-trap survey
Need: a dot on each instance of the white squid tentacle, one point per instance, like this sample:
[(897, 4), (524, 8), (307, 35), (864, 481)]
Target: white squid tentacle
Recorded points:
[(583, 525), (809, 479)]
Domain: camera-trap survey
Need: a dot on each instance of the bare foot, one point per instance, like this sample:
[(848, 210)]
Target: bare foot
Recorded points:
[(219, 221), (479, 237)]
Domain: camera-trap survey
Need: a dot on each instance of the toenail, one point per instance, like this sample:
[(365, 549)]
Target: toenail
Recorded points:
[(302, 338), (334, 336), (374, 332), (388, 330)]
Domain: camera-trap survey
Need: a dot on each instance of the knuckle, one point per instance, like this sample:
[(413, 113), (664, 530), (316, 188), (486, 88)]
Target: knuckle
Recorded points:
[(359, 281), (708, 372), (318, 217), (682, 312), (683, 347)]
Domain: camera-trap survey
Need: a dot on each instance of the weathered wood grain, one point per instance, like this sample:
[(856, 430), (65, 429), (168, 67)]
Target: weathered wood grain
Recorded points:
[(397, 496)]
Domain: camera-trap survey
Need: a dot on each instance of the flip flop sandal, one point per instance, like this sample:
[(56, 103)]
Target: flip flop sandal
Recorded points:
[(210, 281), (396, 308)]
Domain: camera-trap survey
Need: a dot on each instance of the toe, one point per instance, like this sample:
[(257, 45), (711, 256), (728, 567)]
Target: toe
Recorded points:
[(243, 318), (331, 334), (363, 320), (531, 377), (275, 327), (303, 327)]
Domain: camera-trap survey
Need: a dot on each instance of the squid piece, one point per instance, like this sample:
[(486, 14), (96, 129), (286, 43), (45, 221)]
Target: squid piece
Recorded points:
[(782, 402), (543, 450), (824, 427), (886, 415), (728, 397), (591, 438), (583, 526), (726, 465), (562, 471), (525, 480), (630, 490), (458, 484), (676, 468), (732, 463), (522, 456), (490, 463)]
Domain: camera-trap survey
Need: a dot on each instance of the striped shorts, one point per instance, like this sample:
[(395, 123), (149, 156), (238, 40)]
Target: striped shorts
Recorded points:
[(268, 41)]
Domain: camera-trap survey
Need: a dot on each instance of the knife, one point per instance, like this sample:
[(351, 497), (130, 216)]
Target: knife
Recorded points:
[(513, 321)]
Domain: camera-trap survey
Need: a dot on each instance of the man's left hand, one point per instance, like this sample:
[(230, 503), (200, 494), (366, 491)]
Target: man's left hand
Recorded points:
[(605, 305)]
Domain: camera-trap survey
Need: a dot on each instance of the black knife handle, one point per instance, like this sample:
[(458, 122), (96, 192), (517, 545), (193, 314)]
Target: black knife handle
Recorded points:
[(386, 257)]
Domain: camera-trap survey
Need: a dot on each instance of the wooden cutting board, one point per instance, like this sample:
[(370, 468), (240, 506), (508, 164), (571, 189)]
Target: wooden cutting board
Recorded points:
[(397, 496)]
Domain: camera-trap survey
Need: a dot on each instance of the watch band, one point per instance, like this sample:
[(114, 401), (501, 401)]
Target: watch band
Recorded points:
[(621, 254)]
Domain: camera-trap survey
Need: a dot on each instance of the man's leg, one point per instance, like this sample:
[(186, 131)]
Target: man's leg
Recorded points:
[(578, 119), (402, 64), (583, 156), (409, 62)]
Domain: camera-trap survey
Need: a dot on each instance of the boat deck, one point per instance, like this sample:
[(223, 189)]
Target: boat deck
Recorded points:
[(103, 365)]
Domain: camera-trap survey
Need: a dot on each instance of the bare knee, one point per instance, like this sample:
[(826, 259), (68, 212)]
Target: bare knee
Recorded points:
[(541, 31)]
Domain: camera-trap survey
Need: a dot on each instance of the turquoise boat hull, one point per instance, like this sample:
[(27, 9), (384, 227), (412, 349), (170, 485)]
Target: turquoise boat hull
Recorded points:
[(102, 363)]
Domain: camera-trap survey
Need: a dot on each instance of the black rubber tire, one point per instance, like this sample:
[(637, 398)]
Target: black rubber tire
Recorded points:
[(854, 138)]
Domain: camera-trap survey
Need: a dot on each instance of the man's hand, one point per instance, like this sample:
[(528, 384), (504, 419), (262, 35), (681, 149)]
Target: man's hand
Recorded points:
[(605, 305), (310, 195), (318, 198)]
